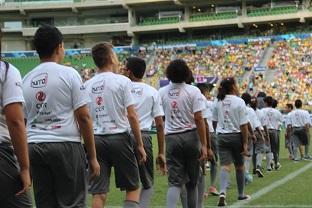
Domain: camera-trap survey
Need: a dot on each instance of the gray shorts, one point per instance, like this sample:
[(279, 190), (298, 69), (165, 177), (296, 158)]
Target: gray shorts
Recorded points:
[(146, 169), (230, 147), (214, 145), (182, 154), (300, 136), (59, 174), (259, 146), (116, 151), (10, 181), (274, 140)]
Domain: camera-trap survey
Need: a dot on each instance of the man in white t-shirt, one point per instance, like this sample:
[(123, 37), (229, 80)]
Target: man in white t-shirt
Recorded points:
[(14, 167), (57, 116), (113, 112), (149, 108), (300, 123), (186, 142), (288, 141), (274, 118)]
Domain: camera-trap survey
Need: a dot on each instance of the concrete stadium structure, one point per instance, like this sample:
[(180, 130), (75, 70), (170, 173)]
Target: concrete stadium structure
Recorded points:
[(124, 22)]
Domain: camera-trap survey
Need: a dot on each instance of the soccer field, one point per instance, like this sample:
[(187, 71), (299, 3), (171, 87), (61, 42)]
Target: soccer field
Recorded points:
[(288, 187)]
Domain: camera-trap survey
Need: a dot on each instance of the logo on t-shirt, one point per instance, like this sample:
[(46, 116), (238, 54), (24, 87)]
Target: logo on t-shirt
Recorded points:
[(98, 87), (99, 100), (138, 91), (174, 93), (174, 104), (40, 96), (39, 81)]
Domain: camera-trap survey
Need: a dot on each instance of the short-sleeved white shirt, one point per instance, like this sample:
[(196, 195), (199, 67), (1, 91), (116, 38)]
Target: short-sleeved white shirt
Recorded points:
[(147, 104), (253, 118), (298, 118), (230, 114), (52, 93), (110, 96), (207, 113), (273, 116), (180, 102), (10, 92)]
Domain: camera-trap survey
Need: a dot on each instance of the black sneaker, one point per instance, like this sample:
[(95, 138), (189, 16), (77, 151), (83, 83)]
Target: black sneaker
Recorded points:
[(269, 170), (222, 201), (272, 165), (259, 172), (244, 198), (278, 166)]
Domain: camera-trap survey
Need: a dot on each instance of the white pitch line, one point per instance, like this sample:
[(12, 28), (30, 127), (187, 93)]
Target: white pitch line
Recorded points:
[(274, 185)]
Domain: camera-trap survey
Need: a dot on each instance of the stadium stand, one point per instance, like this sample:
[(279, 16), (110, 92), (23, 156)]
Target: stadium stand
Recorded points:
[(212, 16), (158, 21), (272, 11)]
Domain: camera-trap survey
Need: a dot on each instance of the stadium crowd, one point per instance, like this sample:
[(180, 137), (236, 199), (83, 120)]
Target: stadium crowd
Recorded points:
[(113, 111)]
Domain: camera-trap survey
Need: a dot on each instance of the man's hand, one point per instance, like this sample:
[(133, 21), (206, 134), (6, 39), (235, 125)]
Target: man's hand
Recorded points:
[(26, 182), (94, 168), (254, 138), (204, 153), (210, 155), (245, 150), (161, 164), (141, 154)]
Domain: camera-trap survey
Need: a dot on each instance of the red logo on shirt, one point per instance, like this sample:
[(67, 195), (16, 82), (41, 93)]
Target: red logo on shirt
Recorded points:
[(99, 100), (41, 96), (174, 104)]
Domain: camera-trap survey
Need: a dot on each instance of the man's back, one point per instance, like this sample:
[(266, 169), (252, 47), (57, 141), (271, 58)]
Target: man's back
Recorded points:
[(52, 93), (110, 96)]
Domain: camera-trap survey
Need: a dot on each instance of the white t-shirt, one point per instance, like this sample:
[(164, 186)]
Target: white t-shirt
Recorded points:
[(11, 92), (147, 104), (110, 96), (273, 116), (230, 114), (207, 113), (298, 118), (52, 93), (253, 118), (180, 102)]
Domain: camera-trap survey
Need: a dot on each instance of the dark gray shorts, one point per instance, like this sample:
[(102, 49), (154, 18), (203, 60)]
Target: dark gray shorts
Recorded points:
[(300, 136), (10, 182), (146, 169), (115, 151), (274, 140), (230, 147), (214, 145), (182, 155), (259, 146), (59, 174)]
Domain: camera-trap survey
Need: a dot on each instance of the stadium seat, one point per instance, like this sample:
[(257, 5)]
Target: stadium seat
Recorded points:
[(212, 16), (272, 11)]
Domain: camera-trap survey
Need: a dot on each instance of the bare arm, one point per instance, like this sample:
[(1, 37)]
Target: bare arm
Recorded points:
[(135, 127), (85, 124), (207, 134), (15, 121), (200, 124), (160, 134), (244, 131)]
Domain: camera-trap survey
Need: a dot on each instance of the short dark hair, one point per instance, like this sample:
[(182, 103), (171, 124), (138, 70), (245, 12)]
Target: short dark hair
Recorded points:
[(290, 106), (274, 103), (177, 71), (203, 87), (298, 103), (190, 78), (247, 98), (137, 66), (268, 100), (261, 94), (47, 39), (225, 88), (101, 54)]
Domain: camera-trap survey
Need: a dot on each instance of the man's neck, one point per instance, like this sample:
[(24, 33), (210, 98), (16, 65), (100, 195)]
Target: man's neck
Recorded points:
[(50, 59), (136, 79), (105, 69)]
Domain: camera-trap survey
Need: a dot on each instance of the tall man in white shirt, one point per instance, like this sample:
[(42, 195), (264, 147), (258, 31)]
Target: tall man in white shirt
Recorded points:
[(14, 166), (112, 109), (186, 142), (274, 121), (55, 102), (299, 120), (149, 108)]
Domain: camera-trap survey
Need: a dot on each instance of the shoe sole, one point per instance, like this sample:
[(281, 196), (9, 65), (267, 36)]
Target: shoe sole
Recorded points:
[(260, 175), (222, 202)]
